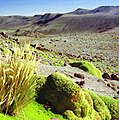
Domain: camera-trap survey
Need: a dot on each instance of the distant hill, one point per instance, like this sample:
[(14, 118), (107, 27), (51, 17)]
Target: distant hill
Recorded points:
[(100, 19)]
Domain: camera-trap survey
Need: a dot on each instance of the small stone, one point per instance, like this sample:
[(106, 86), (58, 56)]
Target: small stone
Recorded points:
[(106, 76), (112, 86), (99, 80), (80, 83), (114, 77), (116, 97), (78, 75), (118, 92), (60, 53)]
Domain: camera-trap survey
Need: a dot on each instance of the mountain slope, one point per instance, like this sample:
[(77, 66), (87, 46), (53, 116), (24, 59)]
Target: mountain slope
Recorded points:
[(99, 19)]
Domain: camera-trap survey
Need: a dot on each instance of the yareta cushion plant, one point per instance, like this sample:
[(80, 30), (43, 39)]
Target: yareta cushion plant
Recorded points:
[(88, 67), (17, 79)]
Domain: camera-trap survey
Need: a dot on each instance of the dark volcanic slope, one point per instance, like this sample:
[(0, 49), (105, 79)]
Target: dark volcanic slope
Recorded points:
[(97, 20)]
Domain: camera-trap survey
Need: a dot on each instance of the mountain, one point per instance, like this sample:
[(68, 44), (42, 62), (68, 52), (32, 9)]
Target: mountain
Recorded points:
[(97, 20), (101, 9)]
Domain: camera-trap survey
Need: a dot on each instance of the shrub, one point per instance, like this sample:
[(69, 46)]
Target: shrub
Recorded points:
[(17, 79), (88, 67)]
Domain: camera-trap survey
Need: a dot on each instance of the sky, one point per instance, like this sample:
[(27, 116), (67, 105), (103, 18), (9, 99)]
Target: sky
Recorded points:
[(33, 7)]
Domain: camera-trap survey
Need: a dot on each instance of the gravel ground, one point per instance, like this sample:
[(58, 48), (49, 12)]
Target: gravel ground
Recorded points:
[(100, 48)]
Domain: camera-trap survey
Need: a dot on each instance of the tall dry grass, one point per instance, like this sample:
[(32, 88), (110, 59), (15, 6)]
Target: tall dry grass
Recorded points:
[(17, 79)]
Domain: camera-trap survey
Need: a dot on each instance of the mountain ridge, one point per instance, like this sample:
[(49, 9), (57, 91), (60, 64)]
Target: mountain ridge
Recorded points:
[(101, 9)]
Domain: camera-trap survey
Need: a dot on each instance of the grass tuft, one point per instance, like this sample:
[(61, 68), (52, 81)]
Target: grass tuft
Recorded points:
[(17, 79)]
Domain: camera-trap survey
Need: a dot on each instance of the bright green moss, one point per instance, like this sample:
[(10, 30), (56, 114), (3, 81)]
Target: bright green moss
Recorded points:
[(88, 98), (90, 102), (113, 106), (88, 67), (40, 81), (33, 111)]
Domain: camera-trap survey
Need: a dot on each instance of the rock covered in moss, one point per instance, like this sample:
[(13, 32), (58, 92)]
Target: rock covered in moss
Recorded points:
[(64, 94), (88, 67), (61, 92)]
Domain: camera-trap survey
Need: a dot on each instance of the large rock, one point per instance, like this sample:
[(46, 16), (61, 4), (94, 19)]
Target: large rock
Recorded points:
[(63, 94)]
